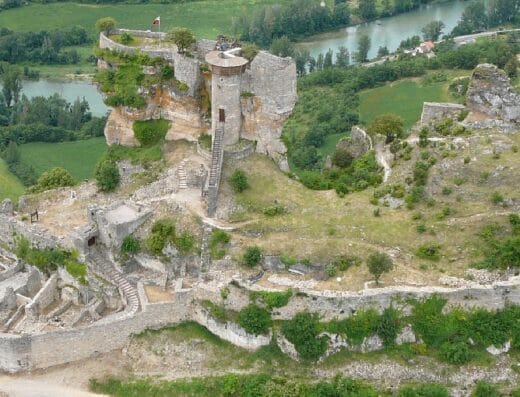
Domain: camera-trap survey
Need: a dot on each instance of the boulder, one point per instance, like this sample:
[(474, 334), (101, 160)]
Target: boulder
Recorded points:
[(357, 144), (7, 207)]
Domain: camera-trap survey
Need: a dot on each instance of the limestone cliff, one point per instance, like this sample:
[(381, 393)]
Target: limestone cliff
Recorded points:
[(490, 93), (183, 112)]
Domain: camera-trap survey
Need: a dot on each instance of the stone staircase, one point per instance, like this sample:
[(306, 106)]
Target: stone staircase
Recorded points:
[(102, 266), (181, 172), (217, 159)]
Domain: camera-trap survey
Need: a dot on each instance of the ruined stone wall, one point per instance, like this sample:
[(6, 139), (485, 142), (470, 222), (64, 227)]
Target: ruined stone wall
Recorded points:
[(15, 352), (11, 228), (433, 111), (272, 80), (45, 296)]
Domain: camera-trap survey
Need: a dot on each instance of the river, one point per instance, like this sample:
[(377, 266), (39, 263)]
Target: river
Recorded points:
[(389, 31), (70, 90)]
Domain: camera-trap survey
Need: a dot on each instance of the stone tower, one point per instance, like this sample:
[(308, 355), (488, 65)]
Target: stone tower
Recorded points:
[(227, 69)]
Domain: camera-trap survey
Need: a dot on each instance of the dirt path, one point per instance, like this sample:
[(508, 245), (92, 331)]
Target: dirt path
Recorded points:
[(22, 387)]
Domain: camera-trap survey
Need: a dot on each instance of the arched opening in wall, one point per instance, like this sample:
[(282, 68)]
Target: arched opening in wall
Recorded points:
[(91, 241), (221, 115)]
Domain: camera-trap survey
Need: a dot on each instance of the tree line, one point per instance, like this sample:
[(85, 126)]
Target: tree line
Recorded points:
[(45, 47)]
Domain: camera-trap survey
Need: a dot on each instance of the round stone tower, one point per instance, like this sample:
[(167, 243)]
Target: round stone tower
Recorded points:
[(226, 69)]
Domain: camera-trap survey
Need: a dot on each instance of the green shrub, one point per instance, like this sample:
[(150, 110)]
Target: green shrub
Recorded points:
[(255, 320), (126, 38), (331, 270), (497, 198), (224, 293), (485, 389), (77, 270), (421, 228), (54, 178), (163, 230), (430, 252), (107, 176), (205, 141), (185, 243), (446, 190), (150, 132), (302, 331), (357, 327), (272, 299), (131, 245), (431, 390), (238, 181), (274, 210), (389, 326), (252, 256), (379, 263), (344, 262), (219, 239), (455, 352)]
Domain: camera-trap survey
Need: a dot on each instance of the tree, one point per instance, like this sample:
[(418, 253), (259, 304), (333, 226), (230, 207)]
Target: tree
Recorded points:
[(238, 181), (327, 61), (252, 256), (363, 47), (11, 84), (342, 57), (389, 125), (379, 263), (182, 37), (433, 30), (382, 52), (107, 176), (474, 19), (282, 47), (254, 319), (511, 67), (56, 177), (342, 157), (105, 25), (301, 58), (367, 9)]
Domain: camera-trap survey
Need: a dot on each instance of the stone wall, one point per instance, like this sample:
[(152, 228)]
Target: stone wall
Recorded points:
[(45, 296), (433, 111), (11, 228)]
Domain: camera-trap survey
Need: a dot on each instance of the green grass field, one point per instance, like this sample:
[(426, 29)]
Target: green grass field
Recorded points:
[(79, 157), (206, 18), (404, 98), (10, 186)]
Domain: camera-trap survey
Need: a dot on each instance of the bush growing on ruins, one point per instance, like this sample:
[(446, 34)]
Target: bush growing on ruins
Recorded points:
[(272, 299), (131, 245), (185, 243), (126, 38), (379, 263), (150, 132), (238, 181), (302, 331), (163, 230), (52, 179), (357, 327), (255, 320), (107, 176), (219, 239), (389, 326), (252, 256), (105, 25), (250, 50), (456, 352), (282, 47), (182, 37)]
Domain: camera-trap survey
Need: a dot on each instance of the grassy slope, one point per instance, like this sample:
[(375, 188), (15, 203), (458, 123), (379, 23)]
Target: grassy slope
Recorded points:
[(10, 186), (78, 157), (321, 226), (404, 98), (205, 18)]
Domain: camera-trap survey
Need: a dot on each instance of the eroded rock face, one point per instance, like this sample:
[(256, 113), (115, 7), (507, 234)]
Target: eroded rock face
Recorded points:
[(357, 144), (490, 92), (183, 112)]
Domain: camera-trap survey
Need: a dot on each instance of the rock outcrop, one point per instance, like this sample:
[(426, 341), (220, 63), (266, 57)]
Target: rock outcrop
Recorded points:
[(490, 93), (357, 144), (183, 112)]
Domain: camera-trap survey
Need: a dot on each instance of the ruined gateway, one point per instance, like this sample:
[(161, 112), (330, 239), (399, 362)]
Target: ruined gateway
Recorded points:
[(48, 320)]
